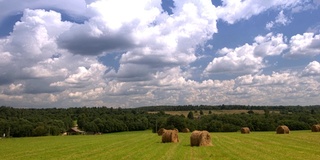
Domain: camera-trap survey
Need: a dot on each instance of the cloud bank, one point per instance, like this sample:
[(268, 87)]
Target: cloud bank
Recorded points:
[(50, 62)]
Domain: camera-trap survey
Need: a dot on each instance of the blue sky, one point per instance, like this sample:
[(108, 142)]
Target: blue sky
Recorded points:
[(119, 53)]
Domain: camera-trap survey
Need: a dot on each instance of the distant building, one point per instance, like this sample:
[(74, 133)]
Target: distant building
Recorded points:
[(75, 131)]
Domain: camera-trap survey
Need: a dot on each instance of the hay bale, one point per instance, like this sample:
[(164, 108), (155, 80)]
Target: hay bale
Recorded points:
[(315, 128), (185, 130), (245, 130), (161, 131), (283, 129), (170, 136), (200, 138)]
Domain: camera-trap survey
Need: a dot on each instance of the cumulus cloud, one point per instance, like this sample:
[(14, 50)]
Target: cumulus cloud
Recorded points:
[(48, 62), (36, 62), (45, 64), (192, 23), (240, 60), (83, 76), (31, 42), (110, 27), (307, 44), (312, 69), (279, 87), (247, 58)]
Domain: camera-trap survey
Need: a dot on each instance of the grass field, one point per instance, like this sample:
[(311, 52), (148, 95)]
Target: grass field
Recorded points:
[(206, 112), (144, 145)]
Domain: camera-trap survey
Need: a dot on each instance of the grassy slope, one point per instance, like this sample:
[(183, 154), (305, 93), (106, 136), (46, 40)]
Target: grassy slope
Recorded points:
[(146, 145)]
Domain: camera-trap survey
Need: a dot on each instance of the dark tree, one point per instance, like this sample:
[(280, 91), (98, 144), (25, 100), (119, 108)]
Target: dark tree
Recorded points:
[(190, 115)]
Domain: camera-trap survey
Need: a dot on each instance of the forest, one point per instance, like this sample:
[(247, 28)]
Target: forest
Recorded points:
[(24, 122)]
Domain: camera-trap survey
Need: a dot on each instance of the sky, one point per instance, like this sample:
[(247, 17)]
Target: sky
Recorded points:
[(121, 53)]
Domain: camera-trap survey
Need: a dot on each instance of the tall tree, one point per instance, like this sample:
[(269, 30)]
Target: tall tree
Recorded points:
[(190, 115)]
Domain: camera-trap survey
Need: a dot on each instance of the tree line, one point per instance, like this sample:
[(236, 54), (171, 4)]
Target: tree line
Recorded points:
[(20, 122)]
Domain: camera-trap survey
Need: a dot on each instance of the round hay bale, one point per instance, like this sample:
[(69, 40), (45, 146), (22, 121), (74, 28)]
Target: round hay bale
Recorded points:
[(283, 129), (185, 130), (170, 136), (200, 138), (315, 128), (245, 130), (161, 131), (194, 138)]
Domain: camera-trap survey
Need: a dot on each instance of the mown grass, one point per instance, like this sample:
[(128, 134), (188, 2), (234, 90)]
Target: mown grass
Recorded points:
[(206, 112), (144, 145)]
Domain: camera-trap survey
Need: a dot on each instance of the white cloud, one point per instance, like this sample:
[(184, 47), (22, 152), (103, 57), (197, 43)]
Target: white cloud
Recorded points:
[(312, 69), (5, 58), (306, 6), (36, 63), (192, 23), (111, 27), (247, 58), (307, 44), (270, 45), (47, 62), (269, 25), (83, 76), (13, 7), (281, 19), (235, 10), (240, 60), (32, 42)]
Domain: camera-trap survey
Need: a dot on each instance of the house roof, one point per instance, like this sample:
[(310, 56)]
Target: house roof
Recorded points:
[(75, 129)]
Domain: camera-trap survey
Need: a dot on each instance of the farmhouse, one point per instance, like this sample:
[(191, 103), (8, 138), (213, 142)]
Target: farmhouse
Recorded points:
[(75, 131)]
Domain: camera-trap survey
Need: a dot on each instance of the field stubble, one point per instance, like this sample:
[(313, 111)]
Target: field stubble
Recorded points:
[(143, 145)]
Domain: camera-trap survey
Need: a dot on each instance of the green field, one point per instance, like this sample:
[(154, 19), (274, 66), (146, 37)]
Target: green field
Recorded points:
[(144, 145), (206, 112)]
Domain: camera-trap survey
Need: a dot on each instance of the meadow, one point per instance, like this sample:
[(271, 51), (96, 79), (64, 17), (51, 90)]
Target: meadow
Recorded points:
[(144, 145), (206, 112)]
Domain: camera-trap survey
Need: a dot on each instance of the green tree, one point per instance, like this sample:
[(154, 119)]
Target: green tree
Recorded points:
[(250, 112), (176, 122), (190, 115), (39, 131)]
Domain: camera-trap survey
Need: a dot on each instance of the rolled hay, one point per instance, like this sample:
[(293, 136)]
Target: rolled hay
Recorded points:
[(170, 136), (200, 138), (245, 130), (315, 128), (161, 131), (185, 130), (283, 129)]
